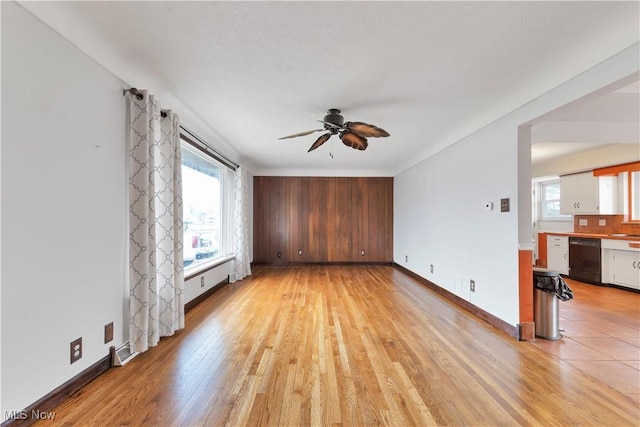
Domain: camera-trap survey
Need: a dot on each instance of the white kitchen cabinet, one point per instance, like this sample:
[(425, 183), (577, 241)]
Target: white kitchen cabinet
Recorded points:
[(558, 253), (621, 263), (626, 268), (583, 193)]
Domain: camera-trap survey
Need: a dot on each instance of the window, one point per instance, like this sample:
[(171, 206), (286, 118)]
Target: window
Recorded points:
[(205, 208), (631, 186), (550, 200), (629, 176), (634, 196)]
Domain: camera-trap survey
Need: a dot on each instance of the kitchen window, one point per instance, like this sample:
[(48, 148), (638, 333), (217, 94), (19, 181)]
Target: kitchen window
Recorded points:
[(634, 195), (629, 175), (631, 188), (550, 200)]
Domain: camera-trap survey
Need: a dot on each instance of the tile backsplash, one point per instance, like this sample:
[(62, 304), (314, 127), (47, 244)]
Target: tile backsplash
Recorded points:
[(612, 224)]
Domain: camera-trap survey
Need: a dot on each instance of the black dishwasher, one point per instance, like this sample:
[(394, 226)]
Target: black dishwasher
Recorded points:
[(585, 259)]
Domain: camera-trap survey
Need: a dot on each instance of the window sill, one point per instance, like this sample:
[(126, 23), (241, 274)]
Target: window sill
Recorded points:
[(201, 268)]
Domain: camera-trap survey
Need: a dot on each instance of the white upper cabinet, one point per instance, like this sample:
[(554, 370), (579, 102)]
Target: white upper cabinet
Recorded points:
[(583, 193)]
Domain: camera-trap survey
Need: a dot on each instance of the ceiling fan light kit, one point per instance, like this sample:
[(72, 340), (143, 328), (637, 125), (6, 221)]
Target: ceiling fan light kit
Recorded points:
[(352, 134)]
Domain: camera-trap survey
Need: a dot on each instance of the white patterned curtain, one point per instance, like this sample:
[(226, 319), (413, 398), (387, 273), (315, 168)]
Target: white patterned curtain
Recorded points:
[(156, 306), (242, 263)]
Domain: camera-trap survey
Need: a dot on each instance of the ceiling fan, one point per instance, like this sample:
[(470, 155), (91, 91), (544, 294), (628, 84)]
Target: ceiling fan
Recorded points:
[(352, 134)]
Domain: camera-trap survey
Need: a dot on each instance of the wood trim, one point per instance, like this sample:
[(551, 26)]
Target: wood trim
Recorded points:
[(527, 331), (616, 169), (206, 294), (525, 284), (291, 264), (634, 245), (476, 311), (525, 292), (542, 250), (54, 398)]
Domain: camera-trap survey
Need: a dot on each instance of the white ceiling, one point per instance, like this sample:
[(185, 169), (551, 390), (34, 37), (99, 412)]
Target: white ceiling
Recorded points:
[(246, 73), (607, 118)]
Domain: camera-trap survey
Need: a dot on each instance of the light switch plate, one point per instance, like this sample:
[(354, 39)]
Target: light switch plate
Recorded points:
[(583, 222), (504, 205), (602, 222)]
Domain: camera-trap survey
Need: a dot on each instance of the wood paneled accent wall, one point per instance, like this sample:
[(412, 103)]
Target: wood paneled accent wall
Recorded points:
[(328, 219)]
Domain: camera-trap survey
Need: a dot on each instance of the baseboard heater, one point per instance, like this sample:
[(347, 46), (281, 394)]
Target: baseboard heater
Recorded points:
[(122, 355)]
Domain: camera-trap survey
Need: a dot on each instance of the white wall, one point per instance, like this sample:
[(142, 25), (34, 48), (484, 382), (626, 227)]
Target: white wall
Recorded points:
[(440, 219), (564, 225), (439, 215), (609, 155), (195, 286), (64, 210)]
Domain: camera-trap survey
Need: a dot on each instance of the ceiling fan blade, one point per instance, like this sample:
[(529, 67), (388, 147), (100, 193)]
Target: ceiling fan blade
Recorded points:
[(365, 130), (309, 132), (319, 141), (354, 141), (332, 125)]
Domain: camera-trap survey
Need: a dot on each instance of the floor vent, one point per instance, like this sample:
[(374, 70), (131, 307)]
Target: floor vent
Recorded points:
[(122, 355)]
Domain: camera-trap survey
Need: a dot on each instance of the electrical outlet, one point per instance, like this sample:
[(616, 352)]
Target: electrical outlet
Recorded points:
[(202, 281), (108, 332), (76, 350), (279, 254), (472, 285), (362, 253), (431, 268), (299, 251), (602, 222)]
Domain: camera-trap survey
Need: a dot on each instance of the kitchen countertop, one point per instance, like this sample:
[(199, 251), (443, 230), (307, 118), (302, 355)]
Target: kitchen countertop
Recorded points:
[(591, 235)]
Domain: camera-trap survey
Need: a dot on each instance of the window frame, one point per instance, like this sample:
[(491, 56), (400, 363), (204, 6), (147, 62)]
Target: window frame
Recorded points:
[(226, 252), (617, 170), (541, 200)]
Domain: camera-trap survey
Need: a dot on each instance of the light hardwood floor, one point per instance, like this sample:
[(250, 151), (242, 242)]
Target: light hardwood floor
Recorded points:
[(342, 345)]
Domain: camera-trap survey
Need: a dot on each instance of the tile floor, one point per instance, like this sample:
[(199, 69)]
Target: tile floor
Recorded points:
[(600, 330)]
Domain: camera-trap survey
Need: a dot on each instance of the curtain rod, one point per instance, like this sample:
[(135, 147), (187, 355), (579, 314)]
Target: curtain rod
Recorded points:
[(218, 155)]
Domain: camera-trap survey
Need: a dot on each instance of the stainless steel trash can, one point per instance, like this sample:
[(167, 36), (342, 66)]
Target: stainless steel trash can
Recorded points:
[(545, 305)]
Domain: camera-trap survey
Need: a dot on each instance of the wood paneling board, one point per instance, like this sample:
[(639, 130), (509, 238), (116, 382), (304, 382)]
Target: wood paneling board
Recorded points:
[(346, 222), (260, 218), (294, 217), (274, 220), (338, 345), (283, 218)]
